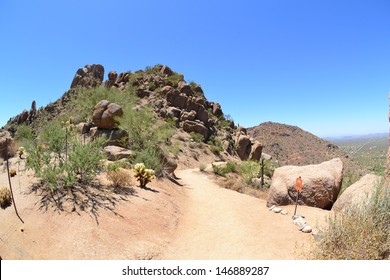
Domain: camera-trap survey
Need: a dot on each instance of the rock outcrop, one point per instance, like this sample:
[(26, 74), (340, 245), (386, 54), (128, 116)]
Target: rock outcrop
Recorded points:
[(104, 114), (321, 184), (114, 153), (358, 193), (88, 76), (6, 145)]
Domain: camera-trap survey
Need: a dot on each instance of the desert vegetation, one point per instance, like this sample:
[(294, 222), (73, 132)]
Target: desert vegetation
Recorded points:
[(360, 232)]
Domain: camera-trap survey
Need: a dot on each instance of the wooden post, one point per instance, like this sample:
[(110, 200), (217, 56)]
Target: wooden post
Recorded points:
[(9, 181)]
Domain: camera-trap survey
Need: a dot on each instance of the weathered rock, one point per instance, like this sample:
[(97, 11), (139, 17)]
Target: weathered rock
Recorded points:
[(144, 93), (185, 88), (180, 101), (191, 126), (112, 77), (284, 212), (165, 70), (358, 193), (277, 210), (123, 78), (89, 76), (300, 223), (307, 229), (321, 184), (243, 147), (256, 151), (217, 109), (203, 115), (114, 153), (104, 114), (188, 116), (6, 144), (83, 128), (22, 117)]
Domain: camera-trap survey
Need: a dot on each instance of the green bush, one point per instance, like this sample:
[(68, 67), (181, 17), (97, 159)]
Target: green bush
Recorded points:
[(59, 166), (361, 232), (249, 170), (223, 170), (24, 134)]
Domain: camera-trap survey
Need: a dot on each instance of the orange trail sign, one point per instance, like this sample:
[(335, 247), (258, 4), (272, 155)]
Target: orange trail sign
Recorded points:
[(298, 187)]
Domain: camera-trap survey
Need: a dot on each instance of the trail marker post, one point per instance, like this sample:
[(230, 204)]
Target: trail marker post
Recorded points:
[(298, 187)]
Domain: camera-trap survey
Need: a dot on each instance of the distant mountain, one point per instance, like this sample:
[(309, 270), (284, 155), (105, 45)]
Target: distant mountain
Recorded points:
[(291, 145)]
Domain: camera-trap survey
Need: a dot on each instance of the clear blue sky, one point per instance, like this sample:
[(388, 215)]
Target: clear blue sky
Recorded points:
[(321, 65)]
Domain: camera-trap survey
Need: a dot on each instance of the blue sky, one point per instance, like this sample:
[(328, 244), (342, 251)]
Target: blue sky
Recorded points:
[(321, 65)]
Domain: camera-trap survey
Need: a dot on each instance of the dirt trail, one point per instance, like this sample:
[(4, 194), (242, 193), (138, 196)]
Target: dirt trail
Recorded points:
[(197, 221), (222, 224)]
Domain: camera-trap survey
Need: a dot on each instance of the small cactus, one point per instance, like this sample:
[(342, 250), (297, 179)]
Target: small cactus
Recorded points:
[(5, 198), (21, 152), (143, 175), (12, 172)]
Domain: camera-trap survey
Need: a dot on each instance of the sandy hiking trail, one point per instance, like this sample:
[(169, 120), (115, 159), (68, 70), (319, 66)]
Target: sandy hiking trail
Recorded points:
[(222, 224), (198, 220)]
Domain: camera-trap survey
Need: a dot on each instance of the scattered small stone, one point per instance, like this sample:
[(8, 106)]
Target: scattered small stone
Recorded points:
[(307, 229), (300, 223), (284, 212), (277, 210), (272, 207), (294, 217), (22, 229)]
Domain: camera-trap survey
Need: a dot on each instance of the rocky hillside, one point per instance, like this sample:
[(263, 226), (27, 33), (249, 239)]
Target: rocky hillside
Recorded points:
[(291, 145), (158, 89)]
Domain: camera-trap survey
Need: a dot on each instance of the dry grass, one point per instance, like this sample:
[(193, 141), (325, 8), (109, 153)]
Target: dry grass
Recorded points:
[(358, 233), (5, 198), (120, 178), (236, 183)]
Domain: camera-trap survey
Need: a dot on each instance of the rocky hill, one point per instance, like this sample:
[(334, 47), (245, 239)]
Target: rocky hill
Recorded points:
[(291, 145), (157, 89)]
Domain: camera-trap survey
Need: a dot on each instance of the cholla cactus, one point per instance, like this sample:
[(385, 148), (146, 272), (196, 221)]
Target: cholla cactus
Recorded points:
[(21, 152), (143, 175), (5, 198)]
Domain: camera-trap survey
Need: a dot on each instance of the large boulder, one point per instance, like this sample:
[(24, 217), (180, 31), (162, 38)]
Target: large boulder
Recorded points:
[(256, 151), (191, 126), (88, 76), (243, 146), (114, 153), (104, 114), (358, 193), (6, 145), (321, 184)]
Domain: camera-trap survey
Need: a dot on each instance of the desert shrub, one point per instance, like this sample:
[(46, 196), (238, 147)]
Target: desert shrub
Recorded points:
[(249, 170), (143, 175), (202, 167), (119, 178), (197, 137), (215, 145), (147, 137), (5, 198), (50, 164), (223, 170), (24, 134), (174, 79), (85, 160), (361, 232)]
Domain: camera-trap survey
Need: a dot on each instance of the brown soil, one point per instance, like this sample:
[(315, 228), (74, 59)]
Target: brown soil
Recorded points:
[(198, 220)]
